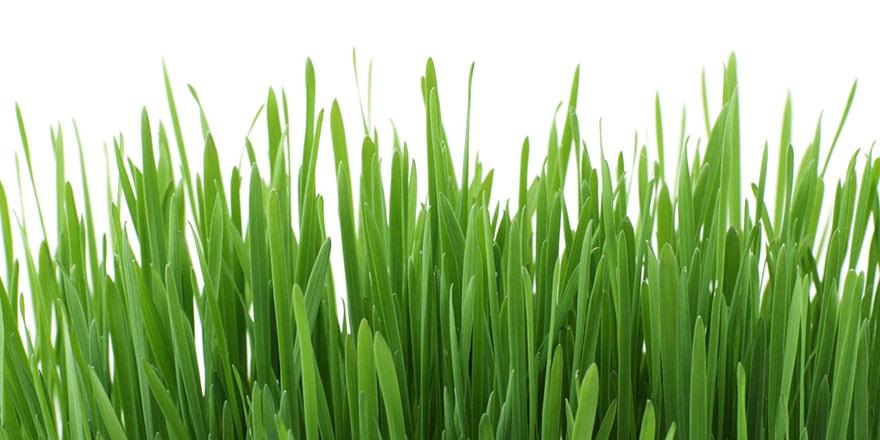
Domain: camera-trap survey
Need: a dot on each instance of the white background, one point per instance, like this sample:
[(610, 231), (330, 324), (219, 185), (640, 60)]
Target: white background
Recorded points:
[(101, 62)]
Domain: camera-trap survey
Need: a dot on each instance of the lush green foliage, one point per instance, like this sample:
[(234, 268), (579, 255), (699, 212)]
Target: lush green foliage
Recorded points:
[(633, 307)]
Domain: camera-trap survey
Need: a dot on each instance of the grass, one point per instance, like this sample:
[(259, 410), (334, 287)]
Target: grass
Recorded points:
[(628, 306)]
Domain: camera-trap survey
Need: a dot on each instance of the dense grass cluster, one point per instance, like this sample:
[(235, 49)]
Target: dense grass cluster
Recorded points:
[(628, 306)]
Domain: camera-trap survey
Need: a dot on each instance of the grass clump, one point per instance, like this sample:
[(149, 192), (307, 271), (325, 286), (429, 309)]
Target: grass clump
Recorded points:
[(634, 307)]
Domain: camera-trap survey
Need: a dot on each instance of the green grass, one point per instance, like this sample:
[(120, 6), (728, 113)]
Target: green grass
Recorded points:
[(628, 306)]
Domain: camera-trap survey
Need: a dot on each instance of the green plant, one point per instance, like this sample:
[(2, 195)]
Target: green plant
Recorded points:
[(632, 308)]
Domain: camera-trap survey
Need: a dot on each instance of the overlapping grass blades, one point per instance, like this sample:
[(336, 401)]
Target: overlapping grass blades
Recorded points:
[(635, 307)]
